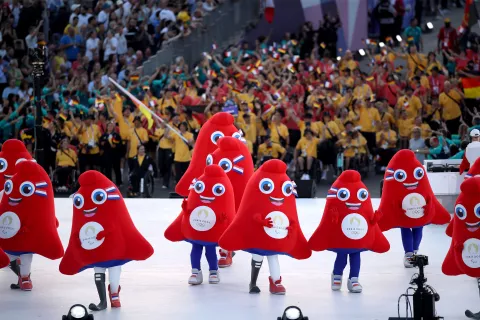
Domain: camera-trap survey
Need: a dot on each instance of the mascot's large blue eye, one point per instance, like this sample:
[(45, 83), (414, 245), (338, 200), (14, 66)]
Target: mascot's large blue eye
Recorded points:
[(99, 196), (27, 189), (3, 165), (362, 194), (400, 175), (343, 194), (218, 189), (209, 160), (199, 187), (266, 186), (418, 173), (78, 201), (215, 136), (8, 187), (225, 164), (287, 188), (237, 135), (477, 210), (461, 212)]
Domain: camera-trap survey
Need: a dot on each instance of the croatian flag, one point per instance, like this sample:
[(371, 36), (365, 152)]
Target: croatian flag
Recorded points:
[(269, 10)]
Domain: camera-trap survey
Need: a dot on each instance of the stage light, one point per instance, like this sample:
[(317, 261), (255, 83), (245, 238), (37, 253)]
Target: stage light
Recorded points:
[(362, 52), (78, 312), (339, 58), (381, 44), (292, 313), (429, 25), (399, 38)]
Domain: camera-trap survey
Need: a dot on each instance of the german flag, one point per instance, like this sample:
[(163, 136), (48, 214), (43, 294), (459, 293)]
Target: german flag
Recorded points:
[(134, 77), (282, 51), (471, 87), (410, 39), (63, 116), (237, 75), (399, 69), (370, 78)]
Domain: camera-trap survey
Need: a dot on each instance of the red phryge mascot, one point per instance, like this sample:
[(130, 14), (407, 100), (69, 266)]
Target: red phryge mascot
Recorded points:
[(13, 152), (474, 169), (234, 158), (463, 257), (206, 214), (266, 224), (103, 236), (348, 227), (27, 220), (408, 202), (4, 259), (218, 126)]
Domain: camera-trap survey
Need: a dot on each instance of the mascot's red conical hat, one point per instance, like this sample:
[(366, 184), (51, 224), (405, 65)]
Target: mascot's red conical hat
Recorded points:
[(208, 210), (348, 220), (234, 158), (13, 150), (463, 257), (4, 259), (474, 169), (266, 222), (27, 214), (103, 233), (218, 126), (407, 197)]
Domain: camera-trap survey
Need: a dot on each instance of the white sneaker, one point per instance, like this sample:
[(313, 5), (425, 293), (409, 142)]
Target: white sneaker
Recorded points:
[(354, 286), (407, 260), (214, 277), (324, 175), (336, 282), (196, 277)]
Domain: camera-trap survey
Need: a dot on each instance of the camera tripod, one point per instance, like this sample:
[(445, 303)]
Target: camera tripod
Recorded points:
[(469, 313)]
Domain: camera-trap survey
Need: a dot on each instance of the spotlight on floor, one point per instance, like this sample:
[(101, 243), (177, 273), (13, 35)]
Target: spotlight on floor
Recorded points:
[(292, 313), (362, 52), (78, 312)]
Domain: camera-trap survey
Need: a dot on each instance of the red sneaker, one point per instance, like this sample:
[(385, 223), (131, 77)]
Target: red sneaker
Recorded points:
[(276, 287), (225, 259), (114, 298), (25, 283)]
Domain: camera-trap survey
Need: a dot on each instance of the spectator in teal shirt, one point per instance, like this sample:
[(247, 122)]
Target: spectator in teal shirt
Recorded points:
[(416, 32)]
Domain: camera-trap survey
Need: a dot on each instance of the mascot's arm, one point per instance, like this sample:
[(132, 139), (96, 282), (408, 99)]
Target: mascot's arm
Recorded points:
[(262, 221), (377, 215), (102, 234), (465, 165)]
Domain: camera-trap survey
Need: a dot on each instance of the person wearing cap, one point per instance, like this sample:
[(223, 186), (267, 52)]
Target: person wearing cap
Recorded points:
[(182, 145), (89, 136), (386, 145), (75, 8), (269, 150), (138, 136), (410, 103), (447, 39), (451, 101), (306, 154), (475, 135)]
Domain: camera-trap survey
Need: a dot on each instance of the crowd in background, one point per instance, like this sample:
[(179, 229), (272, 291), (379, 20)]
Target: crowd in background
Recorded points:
[(301, 100)]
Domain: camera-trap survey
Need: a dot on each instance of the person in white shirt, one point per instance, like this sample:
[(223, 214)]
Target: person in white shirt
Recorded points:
[(127, 7), (209, 5), (75, 8), (84, 16), (31, 39), (121, 41), (104, 15), (109, 45), (92, 45)]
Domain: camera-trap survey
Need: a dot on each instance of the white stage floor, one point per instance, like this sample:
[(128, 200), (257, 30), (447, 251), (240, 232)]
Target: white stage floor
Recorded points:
[(158, 289)]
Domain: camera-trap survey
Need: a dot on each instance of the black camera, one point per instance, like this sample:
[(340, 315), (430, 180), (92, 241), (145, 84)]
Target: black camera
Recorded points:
[(419, 260)]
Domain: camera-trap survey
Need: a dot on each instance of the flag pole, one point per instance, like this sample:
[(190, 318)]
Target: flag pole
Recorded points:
[(138, 102)]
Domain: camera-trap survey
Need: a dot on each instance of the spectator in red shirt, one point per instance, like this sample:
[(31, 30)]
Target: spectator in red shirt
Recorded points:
[(436, 81), (447, 39)]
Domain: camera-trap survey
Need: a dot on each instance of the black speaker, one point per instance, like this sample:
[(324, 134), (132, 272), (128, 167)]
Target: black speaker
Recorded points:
[(306, 188)]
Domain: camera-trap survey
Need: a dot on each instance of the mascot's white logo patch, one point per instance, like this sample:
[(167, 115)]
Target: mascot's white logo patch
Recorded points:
[(9, 225), (88, 235), (413, 205), (471, 253), (280, 224), (354, 226), (202, 218)]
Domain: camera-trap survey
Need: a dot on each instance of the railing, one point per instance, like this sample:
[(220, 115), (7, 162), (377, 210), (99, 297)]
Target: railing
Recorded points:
[(224, 27)]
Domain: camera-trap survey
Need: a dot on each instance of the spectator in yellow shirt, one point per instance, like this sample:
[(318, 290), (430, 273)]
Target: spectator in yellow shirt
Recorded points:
[(451, 100), (424, 127), (305, 154), (368, 121), (89, 136), (279, 131), (182, 146), (249, 128), (362, 90), (405, 126), (269, 150), (138, 136), (386, 144), (165, 153), (410, 103), (66, 162)]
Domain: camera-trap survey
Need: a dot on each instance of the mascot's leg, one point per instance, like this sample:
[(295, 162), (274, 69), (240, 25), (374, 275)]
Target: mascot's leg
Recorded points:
[(15, 267), (102, 293), (275, 279), (195, 256), (353, 284), (114, 286), (24, 282), (407, 240), (417, 234), (256, 265), (225, 258), (211, 255), (338, 267)]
